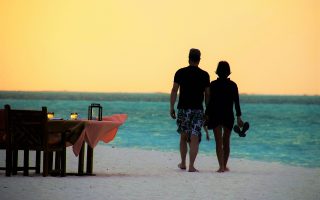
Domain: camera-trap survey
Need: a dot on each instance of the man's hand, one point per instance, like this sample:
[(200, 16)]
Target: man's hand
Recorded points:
[(207, 133), (173, 113), (173, 97)]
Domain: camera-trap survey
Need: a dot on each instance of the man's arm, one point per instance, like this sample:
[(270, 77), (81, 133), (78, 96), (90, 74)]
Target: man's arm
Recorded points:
[(173, 97)]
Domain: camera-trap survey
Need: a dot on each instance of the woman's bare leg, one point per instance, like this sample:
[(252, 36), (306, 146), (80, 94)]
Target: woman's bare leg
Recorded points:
[(219, 148), (226, 146)]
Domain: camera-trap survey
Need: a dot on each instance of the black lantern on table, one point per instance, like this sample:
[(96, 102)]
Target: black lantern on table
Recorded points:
[(95, 112)]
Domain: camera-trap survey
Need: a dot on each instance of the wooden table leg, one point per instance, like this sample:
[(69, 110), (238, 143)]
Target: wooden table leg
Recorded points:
[(81, 160), (50, 166), (26, 162), (89, 160), (14, 162), (38, 161), (57, 161)]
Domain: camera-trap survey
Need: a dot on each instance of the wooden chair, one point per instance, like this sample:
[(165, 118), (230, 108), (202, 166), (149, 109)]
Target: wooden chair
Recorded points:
[(28, 130), (5, 142)]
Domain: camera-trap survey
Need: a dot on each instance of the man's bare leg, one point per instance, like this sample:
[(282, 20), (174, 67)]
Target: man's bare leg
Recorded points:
[(183, 150), (194, 147), (219, 148)]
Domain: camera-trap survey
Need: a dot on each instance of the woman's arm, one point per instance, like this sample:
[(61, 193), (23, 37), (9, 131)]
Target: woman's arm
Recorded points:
[(237, 106)]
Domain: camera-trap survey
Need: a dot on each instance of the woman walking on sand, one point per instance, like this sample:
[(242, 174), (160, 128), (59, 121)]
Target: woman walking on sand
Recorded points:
[(220, 117)]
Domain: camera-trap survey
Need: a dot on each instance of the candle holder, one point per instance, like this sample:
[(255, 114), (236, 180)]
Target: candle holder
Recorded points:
[(74, 116), (50, 115), (95, 112)]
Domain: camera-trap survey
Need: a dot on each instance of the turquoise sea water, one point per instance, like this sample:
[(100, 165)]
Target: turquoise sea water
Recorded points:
[(283, 129)]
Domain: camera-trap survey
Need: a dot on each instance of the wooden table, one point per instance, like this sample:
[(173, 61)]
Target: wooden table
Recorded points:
[(90, 132)]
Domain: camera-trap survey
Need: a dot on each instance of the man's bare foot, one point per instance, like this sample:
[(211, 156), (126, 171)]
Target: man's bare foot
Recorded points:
[(220, 170), (192, 169), (183, 167), (226, 169)]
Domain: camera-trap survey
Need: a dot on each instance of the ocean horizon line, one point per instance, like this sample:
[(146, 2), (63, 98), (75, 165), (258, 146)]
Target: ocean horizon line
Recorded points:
[(155, 92)]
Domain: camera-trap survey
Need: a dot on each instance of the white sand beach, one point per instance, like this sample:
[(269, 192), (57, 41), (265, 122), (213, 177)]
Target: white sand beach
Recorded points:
[(140, 174)]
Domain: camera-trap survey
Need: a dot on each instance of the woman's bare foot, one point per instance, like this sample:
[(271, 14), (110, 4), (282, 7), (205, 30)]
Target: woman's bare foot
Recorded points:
[(182, 167), (192, 169)]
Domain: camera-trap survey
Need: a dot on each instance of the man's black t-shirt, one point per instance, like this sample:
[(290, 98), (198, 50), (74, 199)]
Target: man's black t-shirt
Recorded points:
[(192, 81)]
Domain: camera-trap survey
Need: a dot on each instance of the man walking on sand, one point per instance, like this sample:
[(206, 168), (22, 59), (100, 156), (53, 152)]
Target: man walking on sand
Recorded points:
[(193, 85)]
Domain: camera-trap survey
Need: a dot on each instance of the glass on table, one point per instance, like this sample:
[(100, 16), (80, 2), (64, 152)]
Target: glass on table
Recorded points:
[(74, 116), (50, 115)]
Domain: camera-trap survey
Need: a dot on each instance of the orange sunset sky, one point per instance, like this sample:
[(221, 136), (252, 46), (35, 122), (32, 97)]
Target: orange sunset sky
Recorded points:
[(273, 46)]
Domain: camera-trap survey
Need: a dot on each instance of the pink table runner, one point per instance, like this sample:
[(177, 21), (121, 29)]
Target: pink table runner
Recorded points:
[(104, 130)]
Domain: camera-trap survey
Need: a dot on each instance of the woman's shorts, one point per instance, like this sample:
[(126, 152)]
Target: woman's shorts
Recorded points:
[(190, 121), (215, 122)]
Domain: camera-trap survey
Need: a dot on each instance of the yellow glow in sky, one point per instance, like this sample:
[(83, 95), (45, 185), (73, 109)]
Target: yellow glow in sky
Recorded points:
[(273, 46)]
